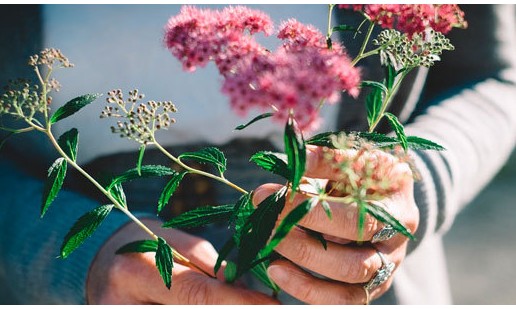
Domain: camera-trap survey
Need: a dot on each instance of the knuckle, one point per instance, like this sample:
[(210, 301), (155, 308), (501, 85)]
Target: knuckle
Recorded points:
[(194, 292), (303, 253)]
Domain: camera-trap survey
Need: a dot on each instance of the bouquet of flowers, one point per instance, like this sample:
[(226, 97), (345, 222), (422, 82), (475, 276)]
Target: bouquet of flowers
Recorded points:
[(290, 85)]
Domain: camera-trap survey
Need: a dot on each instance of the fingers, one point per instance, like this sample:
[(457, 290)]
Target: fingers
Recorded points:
[(313, 290), (352, 264), (136, 275)]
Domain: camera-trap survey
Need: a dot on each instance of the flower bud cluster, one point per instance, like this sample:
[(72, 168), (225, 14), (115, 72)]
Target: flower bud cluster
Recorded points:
[(138, 121), (50, 57), (413, 18), (423, 49), (21, 98), (366, 171)]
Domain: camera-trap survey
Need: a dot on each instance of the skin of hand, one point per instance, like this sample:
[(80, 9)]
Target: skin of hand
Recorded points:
[(346, 265), (133, 278)]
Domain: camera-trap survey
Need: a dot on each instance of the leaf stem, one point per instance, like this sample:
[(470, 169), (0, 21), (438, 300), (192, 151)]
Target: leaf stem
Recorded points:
[(388, 99), (177, 256), (361, 53), (196, 171)]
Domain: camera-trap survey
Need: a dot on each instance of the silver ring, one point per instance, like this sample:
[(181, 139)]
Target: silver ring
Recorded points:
[(382, 274), (386, 233)]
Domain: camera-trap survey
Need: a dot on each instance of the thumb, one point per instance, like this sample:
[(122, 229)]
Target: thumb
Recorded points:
[(263, 191)]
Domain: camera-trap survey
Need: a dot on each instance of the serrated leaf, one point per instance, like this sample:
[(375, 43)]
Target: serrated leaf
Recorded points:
[(415, 142), (243, 209), (374, 84), (378, 139), (290, 220), (68, 142), (208, 155), (139, 246), (374, 103), (117, 192), (73, 106), (164, 261), (201, 216), (258, 229), (169, 190), (382, 215), (322, 139), (83, 228), (53, 183), (398, 129), (230, 272), (318, 236), (255, 119), (140, 159), (145, 171), (223, 253), (273, 162), (362, 212), (296, 153)]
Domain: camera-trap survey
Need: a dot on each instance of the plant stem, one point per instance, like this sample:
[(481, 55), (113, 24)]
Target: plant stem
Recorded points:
[(196, 171), (388, 98), (330, 10), (361, 54), (179, 257)]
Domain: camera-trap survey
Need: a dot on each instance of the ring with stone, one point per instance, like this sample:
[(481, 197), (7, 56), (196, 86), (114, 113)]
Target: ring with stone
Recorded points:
[(382, 274), (386, 233)]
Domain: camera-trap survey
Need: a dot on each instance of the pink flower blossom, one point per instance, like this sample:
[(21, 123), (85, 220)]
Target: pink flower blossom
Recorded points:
[(296, 78), (413, 18)]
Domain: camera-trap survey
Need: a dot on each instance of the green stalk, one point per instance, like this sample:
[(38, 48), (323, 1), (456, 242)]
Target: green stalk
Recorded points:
[(361, 53), (196, 171)]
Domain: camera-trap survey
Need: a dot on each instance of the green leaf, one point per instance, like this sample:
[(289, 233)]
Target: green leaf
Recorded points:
[(362, 212), (140, 159), (342, 28), (378, 139), (318, 236), (201, 216), (169, 190), (382, 215), (68, 142), (230, 272), (145, 171), (374, 84), (139, 246), (415, 142), (83, 228), (243, 210), (273, 162), (287, 224), (117, 192), (322, 139), (255, 119), (258, 229), (223, 253), (296, 153), (390, 75), (398, 129), (54, 182), (326, 206), (207, 155), (260, 272), (73, 106), (164, 261), (374, 103)]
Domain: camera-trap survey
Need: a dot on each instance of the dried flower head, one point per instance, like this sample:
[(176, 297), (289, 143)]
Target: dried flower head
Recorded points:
[(21, 99), (404, 52), (51, 58), (367, 172), (138, 121)]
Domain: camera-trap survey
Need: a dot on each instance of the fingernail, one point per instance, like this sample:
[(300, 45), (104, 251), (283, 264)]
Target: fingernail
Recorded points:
[(277, 273)]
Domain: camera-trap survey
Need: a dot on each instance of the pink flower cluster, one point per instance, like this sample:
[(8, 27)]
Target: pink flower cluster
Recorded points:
[(294, 79), (196, 36), (413, 18)]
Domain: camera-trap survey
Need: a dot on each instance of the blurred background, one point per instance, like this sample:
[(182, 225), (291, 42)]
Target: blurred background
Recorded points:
[(481, 245)]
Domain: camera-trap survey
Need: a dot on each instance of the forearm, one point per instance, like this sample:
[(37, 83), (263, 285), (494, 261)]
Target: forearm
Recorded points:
[(29, 245)]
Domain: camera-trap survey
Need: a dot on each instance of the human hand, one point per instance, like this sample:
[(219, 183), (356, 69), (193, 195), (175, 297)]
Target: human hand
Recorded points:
[(347, 266), (133, 278)]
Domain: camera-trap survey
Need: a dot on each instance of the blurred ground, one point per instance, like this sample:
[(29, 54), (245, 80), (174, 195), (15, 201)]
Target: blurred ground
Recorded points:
[(481, 245)]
